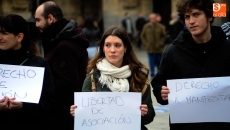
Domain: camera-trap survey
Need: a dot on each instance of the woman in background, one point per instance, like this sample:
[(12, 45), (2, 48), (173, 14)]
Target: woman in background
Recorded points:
[(116, 69), (17, 48)]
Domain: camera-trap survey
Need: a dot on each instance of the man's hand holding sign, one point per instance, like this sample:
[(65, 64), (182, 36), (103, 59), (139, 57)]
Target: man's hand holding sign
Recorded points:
[(198, 99)]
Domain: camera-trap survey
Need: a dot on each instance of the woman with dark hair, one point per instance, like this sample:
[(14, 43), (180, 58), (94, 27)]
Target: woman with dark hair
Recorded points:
[(116, 69), (17, 48)]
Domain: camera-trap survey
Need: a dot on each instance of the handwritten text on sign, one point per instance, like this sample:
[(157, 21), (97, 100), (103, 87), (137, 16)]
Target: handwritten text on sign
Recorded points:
[(199, 100), (107, 110), (21, 82)]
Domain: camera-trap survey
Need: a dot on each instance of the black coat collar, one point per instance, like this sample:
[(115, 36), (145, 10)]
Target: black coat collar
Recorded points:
[(13, 57), (51, 31), (185, 40)]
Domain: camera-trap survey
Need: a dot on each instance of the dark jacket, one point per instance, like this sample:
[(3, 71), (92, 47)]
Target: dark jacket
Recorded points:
[(153, 37), (65, 48), (186, 59), (146, 98), (124, 24), (92, 35), (31, 116), (174, 28), (140, 24)]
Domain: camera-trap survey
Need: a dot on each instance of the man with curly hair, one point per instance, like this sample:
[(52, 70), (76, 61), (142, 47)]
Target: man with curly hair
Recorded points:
[(199, 51)]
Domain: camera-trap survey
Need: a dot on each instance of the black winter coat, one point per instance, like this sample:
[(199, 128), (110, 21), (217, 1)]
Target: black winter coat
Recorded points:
[(65, 48), (186, 59), (31, 116)]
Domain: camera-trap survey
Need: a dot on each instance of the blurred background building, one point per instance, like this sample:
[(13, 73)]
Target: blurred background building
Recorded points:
[(104, 12)]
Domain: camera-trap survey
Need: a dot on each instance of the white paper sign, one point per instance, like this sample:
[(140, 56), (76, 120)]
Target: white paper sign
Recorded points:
[(21, 82), (107, 111), (199, 100)]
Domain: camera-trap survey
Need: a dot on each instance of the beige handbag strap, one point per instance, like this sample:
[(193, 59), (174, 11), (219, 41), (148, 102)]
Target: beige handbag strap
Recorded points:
[(93, 87)]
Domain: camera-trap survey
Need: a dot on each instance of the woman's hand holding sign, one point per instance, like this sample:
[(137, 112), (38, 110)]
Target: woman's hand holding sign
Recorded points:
[(72, 109), (4, 104), (9, 103), (144, 109), (15, 104)]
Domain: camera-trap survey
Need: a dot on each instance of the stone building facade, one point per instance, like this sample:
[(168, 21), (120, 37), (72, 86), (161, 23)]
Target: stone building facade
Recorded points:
[(108, 12)]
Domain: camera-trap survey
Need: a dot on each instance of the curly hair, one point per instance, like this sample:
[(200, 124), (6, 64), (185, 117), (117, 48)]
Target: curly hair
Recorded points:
[(139, 72), (184, 6)]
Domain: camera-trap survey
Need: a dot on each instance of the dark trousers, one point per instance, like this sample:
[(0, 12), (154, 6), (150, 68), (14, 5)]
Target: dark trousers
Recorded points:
[(154, 60)]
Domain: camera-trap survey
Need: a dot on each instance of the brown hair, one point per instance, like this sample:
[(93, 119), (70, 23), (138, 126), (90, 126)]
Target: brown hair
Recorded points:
[(139, 71), (34, 49), (184, 6)]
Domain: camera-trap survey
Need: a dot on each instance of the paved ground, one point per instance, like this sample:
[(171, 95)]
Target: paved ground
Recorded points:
[(161, 120)]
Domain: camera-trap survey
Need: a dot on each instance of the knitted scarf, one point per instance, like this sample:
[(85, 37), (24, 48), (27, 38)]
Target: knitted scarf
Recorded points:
[(115, 78)]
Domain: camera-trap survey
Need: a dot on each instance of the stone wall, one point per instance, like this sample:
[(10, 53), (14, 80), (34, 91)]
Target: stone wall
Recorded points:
[(16, 7), (111, 11), (114, 10)]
